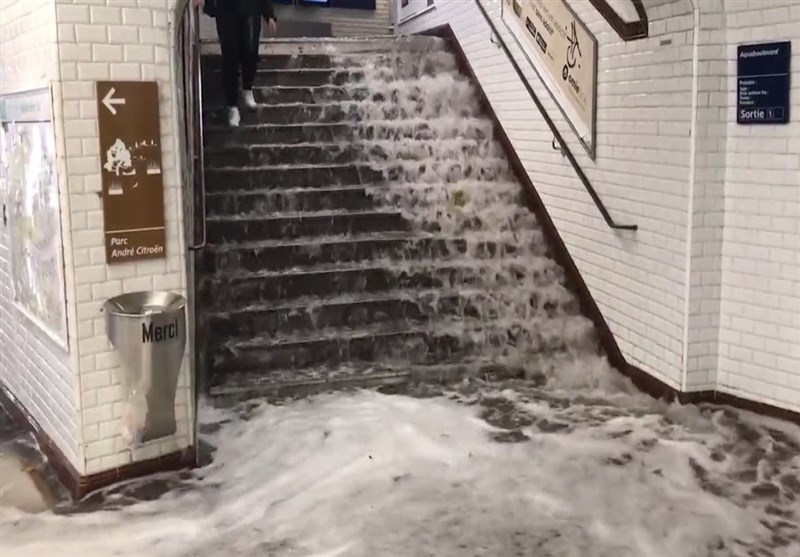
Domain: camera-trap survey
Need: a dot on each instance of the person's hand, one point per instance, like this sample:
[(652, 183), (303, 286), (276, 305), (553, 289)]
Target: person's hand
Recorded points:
[(272, 25), (199, 3)]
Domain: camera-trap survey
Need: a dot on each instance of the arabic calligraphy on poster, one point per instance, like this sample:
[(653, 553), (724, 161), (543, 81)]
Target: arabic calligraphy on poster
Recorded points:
[(29, 189), (564, 54)]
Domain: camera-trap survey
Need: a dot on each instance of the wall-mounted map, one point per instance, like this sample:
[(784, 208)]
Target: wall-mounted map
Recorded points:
[(29, 190)]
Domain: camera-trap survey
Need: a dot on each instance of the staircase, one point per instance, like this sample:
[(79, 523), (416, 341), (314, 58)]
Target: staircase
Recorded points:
[(364, 228)]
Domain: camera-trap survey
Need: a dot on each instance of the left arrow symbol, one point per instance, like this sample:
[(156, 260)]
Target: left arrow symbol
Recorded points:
[(109, 101)]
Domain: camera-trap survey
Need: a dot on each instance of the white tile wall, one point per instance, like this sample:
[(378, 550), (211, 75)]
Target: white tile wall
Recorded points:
[(707, 294), (39, 372), (760, 312), (706, 202), (641, 170), (125, 40)]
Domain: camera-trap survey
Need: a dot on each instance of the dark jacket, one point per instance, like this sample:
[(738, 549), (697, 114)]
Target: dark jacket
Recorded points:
[(240, 7)]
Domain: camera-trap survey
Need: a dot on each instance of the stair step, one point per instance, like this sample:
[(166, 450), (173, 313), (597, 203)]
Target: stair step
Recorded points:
[(362, 150), (417, 128), (242, 386), (342, 46), (291, 113), (226, 291), (213, 62), (408, 85), (351, 198), (350, 76), (359, 309), (265, 155), (257, 256), (212, 80), (219, 136), (292, 176), (358, 197), (349, 311), (334, 112), (228, 178), (301, 61), (399, 342), (252, 228), (325, 94)]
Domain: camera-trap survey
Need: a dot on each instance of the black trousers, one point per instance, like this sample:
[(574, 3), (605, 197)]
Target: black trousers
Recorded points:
[(238, 38)]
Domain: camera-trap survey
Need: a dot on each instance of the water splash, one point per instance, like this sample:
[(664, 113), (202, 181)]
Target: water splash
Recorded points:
[(453, 180)]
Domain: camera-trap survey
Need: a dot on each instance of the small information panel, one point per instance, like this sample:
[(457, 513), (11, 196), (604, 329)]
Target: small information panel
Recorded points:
[(130, 155), (763, 72)]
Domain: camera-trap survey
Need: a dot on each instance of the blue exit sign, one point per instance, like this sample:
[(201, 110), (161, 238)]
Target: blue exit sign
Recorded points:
[(763, 74)]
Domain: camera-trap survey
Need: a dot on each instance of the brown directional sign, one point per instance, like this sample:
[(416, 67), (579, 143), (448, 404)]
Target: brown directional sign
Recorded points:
[(130, 160)]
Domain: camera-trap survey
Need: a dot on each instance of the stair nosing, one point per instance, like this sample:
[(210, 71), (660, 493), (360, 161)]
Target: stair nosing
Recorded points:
[(330, 70), (372, 236), (298, 215), (381, 378), (377, 186), (417, 264), (283, 191), (353, 298), (360, 164), (326, 104), (360, 142), (415, 121), (337, 69), (447, 325), (384, 370)]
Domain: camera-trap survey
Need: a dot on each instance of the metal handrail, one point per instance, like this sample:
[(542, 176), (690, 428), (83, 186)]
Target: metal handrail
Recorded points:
[(187, 39), (498, 41), (199, 155)]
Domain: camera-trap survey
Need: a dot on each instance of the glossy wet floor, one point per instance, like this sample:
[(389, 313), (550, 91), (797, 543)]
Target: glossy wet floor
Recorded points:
[(27, 483)]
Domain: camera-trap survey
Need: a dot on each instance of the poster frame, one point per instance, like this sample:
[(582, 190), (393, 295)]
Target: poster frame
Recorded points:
[(62, 342), (591, 147)]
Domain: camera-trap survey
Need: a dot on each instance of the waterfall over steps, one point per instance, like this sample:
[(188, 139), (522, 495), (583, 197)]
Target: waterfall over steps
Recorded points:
[(364, 228)]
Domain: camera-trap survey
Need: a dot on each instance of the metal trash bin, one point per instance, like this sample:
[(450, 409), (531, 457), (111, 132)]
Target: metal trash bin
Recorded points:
[(148, 330)]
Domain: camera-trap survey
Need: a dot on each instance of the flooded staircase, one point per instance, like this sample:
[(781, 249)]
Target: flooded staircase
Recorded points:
[(364, 228)]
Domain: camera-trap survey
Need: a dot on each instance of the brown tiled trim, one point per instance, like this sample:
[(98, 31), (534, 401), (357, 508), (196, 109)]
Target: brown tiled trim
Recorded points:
[(63, 468), (627, 30), (726, 399), (80, 486), (641, 379), (178, 460)]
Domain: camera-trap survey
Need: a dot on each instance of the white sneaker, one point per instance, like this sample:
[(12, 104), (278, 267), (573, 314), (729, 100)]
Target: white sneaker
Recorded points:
[(248, 99), (233, 116)]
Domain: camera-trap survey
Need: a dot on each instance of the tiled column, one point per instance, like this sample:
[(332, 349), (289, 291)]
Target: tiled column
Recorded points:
[(115, 40)]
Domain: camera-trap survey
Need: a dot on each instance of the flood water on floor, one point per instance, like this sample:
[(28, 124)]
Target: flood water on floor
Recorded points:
[(499, 470)]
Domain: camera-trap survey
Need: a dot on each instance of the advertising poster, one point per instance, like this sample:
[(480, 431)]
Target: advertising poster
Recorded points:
[(29, 189), (564, 54)]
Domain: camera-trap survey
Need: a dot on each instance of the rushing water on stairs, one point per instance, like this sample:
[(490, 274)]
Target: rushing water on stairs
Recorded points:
[(423, 128), (473, 289)]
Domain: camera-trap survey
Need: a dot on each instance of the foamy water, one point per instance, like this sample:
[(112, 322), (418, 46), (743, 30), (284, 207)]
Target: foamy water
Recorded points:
[(449, 177), (365, 475)]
